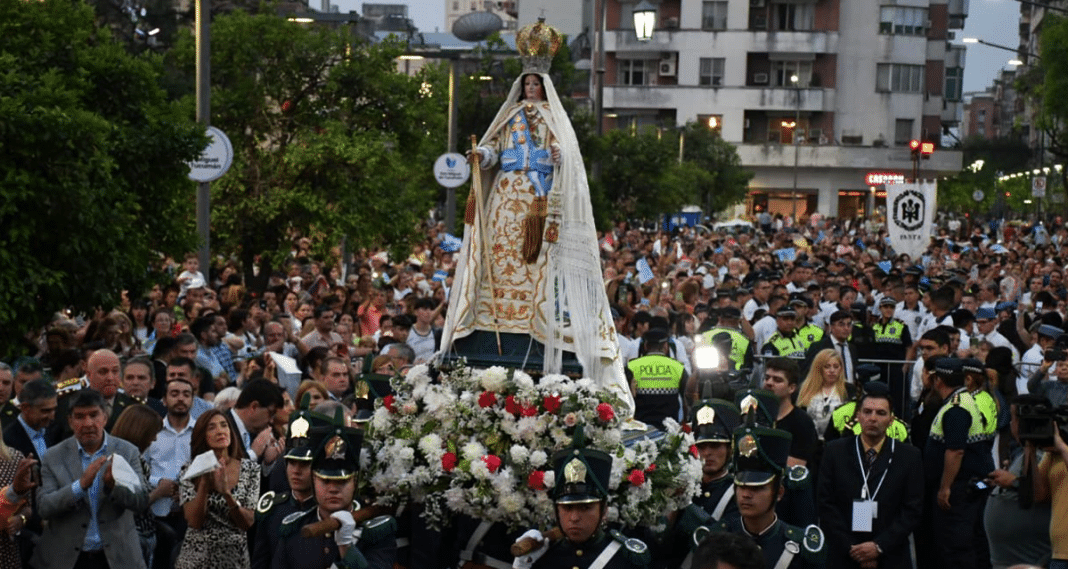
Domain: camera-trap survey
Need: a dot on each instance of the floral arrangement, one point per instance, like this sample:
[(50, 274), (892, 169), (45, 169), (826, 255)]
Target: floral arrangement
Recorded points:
[(480, 442)]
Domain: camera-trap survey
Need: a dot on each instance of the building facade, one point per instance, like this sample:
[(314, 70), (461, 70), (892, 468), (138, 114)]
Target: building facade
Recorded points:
[(852, 82), (506, 9)]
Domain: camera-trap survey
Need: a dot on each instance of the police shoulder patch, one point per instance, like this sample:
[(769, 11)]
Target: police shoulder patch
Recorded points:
[(813, 541), (266, 503), (798, 475)]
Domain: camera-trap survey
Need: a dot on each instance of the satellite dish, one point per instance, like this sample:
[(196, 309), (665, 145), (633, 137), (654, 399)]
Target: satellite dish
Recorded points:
[(476, 26)]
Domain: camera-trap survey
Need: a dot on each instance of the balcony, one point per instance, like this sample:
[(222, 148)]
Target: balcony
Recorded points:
[(749, 98), (856, 157), (732, 41)]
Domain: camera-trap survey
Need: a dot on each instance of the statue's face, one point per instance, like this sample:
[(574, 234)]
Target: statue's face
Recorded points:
[(532, 88)]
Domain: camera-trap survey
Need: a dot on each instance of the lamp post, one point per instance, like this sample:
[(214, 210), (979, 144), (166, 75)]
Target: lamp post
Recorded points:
[(1002, 47), (203, 102), (644, 20), (795, 80)]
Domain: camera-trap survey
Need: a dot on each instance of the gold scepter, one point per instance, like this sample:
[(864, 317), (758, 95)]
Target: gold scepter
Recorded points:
[(476, 192)]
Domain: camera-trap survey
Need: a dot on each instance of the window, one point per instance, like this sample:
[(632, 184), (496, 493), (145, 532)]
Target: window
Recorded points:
[(982, 114), (898, 78), (954, 82), (783, 70), (455, 5), (714, 15), (902, 131), (794, 17), (712, 71), (636, 71), (903, 21)]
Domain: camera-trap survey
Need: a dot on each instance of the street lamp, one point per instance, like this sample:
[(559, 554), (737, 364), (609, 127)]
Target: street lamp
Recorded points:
[(795, 81), (1016, 61), (644, 20)]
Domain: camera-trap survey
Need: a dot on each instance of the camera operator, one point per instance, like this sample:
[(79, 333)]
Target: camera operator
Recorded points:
[(1017, 530), (1051, 483), (1056, 388)]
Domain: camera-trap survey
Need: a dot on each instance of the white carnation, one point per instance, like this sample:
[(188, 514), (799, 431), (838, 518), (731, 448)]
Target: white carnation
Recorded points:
[(522, 380), (520, 454), (538, 458), (494, 379), (473, 450), (430, 445)]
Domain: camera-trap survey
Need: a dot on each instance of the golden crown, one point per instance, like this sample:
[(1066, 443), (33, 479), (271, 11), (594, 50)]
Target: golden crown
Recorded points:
[(537, 44)]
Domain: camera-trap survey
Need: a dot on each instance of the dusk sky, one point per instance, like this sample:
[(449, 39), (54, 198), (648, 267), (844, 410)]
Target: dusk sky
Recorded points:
[(995, 21)]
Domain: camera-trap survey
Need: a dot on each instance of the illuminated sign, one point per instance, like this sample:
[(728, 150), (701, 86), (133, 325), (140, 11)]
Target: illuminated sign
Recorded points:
[(880, 178)]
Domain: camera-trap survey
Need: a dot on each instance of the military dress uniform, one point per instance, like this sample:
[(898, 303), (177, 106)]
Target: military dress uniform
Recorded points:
[(617, 551), (374, 544), (760, 456)]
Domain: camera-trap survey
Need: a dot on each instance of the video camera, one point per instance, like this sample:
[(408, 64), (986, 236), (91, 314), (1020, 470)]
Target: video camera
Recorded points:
[(1036, 422)]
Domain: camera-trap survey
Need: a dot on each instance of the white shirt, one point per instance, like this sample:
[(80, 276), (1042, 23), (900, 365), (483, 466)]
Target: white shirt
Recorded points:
[(166, 457), (763, 330), (1029, 364), (997, 340), (750, 308), (628, 348), (912, 318)]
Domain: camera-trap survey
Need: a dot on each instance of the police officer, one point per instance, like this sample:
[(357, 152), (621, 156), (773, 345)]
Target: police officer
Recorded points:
[(328, 535), (976, 384), (892, 341), (580, 494), (273, 507), (760, 465), (785, 342), (808, 332), (657, 380), (957, 452), (740, 352), (844, 421)]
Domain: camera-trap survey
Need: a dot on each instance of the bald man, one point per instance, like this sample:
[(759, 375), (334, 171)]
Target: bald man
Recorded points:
[(103, 372)]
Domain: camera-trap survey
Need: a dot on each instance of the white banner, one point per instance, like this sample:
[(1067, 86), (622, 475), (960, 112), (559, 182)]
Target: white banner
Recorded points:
[(910, 212)]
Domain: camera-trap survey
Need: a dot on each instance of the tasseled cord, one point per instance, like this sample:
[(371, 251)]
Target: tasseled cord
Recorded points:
[(534, 227)]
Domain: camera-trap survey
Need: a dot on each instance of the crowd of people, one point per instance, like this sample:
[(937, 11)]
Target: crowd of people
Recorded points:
[(872, 413)]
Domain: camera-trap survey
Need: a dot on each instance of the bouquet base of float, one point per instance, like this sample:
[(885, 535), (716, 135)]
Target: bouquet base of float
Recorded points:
[(517, 351), (480, 443)]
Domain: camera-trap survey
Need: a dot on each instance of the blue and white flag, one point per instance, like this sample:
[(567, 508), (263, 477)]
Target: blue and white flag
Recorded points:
[(645, 274), (886, 266), (450, 243), (787, 254), (998, 248), (439, 276)]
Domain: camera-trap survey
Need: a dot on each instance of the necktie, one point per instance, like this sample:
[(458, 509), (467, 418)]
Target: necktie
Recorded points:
[(247, 440), (845, 361), (38, 441), (869, 457)]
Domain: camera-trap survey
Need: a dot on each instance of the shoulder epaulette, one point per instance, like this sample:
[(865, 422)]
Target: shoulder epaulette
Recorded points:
[(267, 503), (69, 386), (292, 523), (956, 399), (636, 550), (376, 530)]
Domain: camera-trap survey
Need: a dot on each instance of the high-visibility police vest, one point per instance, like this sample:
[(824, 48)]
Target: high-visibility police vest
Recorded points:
[(889, 333), (656, 381), (739, 343), (844, 420), (809, 334), (988, 410), (960, 398), (787, 347)]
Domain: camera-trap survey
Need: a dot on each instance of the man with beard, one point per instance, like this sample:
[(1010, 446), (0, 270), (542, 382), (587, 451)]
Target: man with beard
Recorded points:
[(760, 462), (581, 502), (168, 453)]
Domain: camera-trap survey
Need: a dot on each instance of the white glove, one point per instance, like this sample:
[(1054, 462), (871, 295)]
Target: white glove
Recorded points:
[(345, 535), (527, 561)]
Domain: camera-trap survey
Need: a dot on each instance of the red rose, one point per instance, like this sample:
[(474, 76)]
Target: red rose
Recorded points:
[(448, 461), (388, 402), (605, 412), (530, 411), (686, 428), (637, 477), (651, 467), (492, 462), (536, 480), (551, 403), (693, 451), (487, 399), (511, 406)]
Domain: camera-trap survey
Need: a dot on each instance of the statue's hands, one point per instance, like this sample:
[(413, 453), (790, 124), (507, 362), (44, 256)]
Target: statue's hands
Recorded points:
[(555, 149)]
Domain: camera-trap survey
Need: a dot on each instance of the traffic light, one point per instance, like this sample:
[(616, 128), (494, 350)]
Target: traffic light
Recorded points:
[(927, 149), (914, 146)]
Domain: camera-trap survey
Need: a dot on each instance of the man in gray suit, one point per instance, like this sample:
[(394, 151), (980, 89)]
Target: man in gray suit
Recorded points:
[(90, 517)]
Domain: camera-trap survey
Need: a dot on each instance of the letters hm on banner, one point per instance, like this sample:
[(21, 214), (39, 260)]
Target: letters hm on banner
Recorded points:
[(910, 212)]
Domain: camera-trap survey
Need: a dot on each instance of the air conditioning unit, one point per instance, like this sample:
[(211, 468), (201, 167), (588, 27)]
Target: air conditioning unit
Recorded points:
[(760, 78), (668, 66), (815, 134), (671, 23), (757, 3)]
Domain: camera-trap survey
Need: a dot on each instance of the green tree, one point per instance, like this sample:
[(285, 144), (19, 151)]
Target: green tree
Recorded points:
[(329, 139), (93, 157), (1003, 155), (1047, 84), (722, 181)]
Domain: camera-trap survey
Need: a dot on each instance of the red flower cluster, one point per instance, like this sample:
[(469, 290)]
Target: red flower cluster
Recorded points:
[(686, 428), (511, 405), (448, 461), (487, 399), (530, 411), (388, 402), (493, 462), (536, 480), (551, 403), (693, 451), (637, 477), (605, 412), (651, 467)]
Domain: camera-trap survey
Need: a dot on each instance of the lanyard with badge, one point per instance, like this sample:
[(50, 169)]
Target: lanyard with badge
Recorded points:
[(865, 509)]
